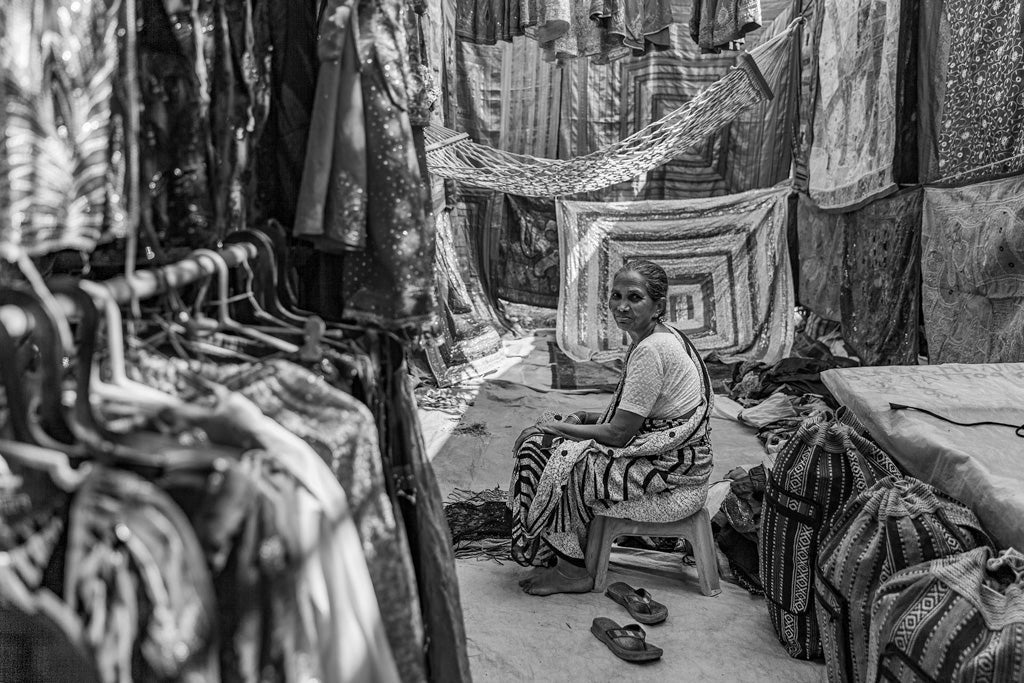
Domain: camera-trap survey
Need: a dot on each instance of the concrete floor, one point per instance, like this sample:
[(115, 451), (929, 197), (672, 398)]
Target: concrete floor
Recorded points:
[(516, 637)]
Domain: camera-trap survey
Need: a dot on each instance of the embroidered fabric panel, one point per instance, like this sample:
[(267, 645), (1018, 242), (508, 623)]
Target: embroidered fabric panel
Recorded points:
[(880, 294), (820, 238), (730, 288), (972, 265), (851, 155), (972, 68)]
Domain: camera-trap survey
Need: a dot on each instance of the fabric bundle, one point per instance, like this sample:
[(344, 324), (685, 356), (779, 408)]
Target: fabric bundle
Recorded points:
[(959, 618), (826, 463), (895, 524)]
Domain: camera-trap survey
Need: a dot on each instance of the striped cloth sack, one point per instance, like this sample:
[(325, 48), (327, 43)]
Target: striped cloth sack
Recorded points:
[(827, 462), (895, 524), (960, 618)]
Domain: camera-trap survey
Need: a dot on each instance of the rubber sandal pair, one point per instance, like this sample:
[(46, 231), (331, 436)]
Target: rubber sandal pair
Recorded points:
[(638, 602), (627, 642)]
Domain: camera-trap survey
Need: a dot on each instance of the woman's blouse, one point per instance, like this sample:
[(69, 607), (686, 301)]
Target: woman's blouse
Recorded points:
[(661, 381)]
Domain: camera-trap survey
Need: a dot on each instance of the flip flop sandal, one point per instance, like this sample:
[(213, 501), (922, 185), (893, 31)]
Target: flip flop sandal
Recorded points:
[(639, 603), (627, 642)]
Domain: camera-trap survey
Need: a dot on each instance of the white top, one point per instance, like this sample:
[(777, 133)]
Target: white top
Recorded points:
[(662, 381)]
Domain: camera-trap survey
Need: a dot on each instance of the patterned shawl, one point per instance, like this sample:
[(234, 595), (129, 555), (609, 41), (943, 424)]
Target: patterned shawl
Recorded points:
[(654, 438)]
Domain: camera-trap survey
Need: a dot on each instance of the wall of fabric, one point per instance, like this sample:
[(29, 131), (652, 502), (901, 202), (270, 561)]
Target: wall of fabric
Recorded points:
[(538, 109)]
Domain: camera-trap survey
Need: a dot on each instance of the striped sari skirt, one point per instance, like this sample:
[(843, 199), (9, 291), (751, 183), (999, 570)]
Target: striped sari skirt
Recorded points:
[(550, 518)]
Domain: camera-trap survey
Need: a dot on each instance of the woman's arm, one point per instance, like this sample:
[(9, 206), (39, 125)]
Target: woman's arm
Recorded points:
[(620, 431)]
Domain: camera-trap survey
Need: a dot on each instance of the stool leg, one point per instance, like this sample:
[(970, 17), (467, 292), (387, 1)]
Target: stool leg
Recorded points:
[(599, 548), (704, 553)]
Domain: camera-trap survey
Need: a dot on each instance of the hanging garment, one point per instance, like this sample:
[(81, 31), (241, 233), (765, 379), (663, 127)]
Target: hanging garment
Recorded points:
[(344, 435), (61, 185), (338, 633), (895, 524), (717, 25), (286, 39), (390, 281), (331, 208)]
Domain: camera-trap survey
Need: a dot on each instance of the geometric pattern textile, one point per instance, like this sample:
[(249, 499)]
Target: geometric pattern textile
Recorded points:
[(879, 298), (960, 618), (971, 89), (895, 524), (730, 287), (602, 104), (972, 267), (826, 463), (851, 158)]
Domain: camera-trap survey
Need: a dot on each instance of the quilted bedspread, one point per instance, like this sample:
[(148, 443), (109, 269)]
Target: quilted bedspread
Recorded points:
[(730, 286)]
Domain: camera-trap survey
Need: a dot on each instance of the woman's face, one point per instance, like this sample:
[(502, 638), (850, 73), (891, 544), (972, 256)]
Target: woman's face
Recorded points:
[(633, 308)]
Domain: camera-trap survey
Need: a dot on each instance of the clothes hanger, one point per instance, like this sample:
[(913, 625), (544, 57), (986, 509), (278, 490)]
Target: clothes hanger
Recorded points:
[(224, 320), (265, 277), (120, 388), (53, 429)]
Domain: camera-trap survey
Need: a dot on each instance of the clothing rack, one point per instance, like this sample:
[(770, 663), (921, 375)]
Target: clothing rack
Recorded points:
[(144, 284)]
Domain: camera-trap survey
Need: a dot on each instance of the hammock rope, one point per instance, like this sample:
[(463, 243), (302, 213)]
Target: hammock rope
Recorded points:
[(454, 155)]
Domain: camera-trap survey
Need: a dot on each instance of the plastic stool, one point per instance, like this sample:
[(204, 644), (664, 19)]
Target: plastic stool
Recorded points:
[(696, 529)]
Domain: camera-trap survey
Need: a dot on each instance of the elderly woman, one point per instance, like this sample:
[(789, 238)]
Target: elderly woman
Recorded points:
[(652, 438)]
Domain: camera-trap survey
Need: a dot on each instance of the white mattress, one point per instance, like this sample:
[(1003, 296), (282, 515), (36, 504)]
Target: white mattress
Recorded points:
[(981, 466)]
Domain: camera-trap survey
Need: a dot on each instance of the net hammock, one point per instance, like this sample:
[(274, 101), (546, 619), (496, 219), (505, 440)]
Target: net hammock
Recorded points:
[(454, 155)]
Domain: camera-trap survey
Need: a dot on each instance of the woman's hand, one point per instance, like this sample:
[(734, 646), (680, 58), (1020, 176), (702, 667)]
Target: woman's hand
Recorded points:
[(532, 430)]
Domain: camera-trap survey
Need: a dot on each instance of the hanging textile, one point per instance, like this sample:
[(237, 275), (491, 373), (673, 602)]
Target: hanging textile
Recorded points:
[(717, 25), (970, 89), (61, 144), (810, 36), (880, 295), (730, 288), (821, 242), (971, 262), (604, 104), (855, 120), (515, 109), (289, 30), (201, 116), (469, 344)]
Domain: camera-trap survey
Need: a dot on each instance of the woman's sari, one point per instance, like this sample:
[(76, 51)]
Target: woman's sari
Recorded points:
[(559, 485)]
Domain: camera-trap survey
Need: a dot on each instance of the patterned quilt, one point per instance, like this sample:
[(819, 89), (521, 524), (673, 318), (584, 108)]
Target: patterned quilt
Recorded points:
[(855, 127), (730, 288), (972, 105), (972, 268)]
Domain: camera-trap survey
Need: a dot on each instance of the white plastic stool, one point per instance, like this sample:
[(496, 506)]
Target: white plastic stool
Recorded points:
[(696, 529)]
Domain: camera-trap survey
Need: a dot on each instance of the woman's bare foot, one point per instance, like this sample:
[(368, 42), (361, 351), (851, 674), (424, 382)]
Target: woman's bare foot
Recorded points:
[(534, 573), (551, 581)]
